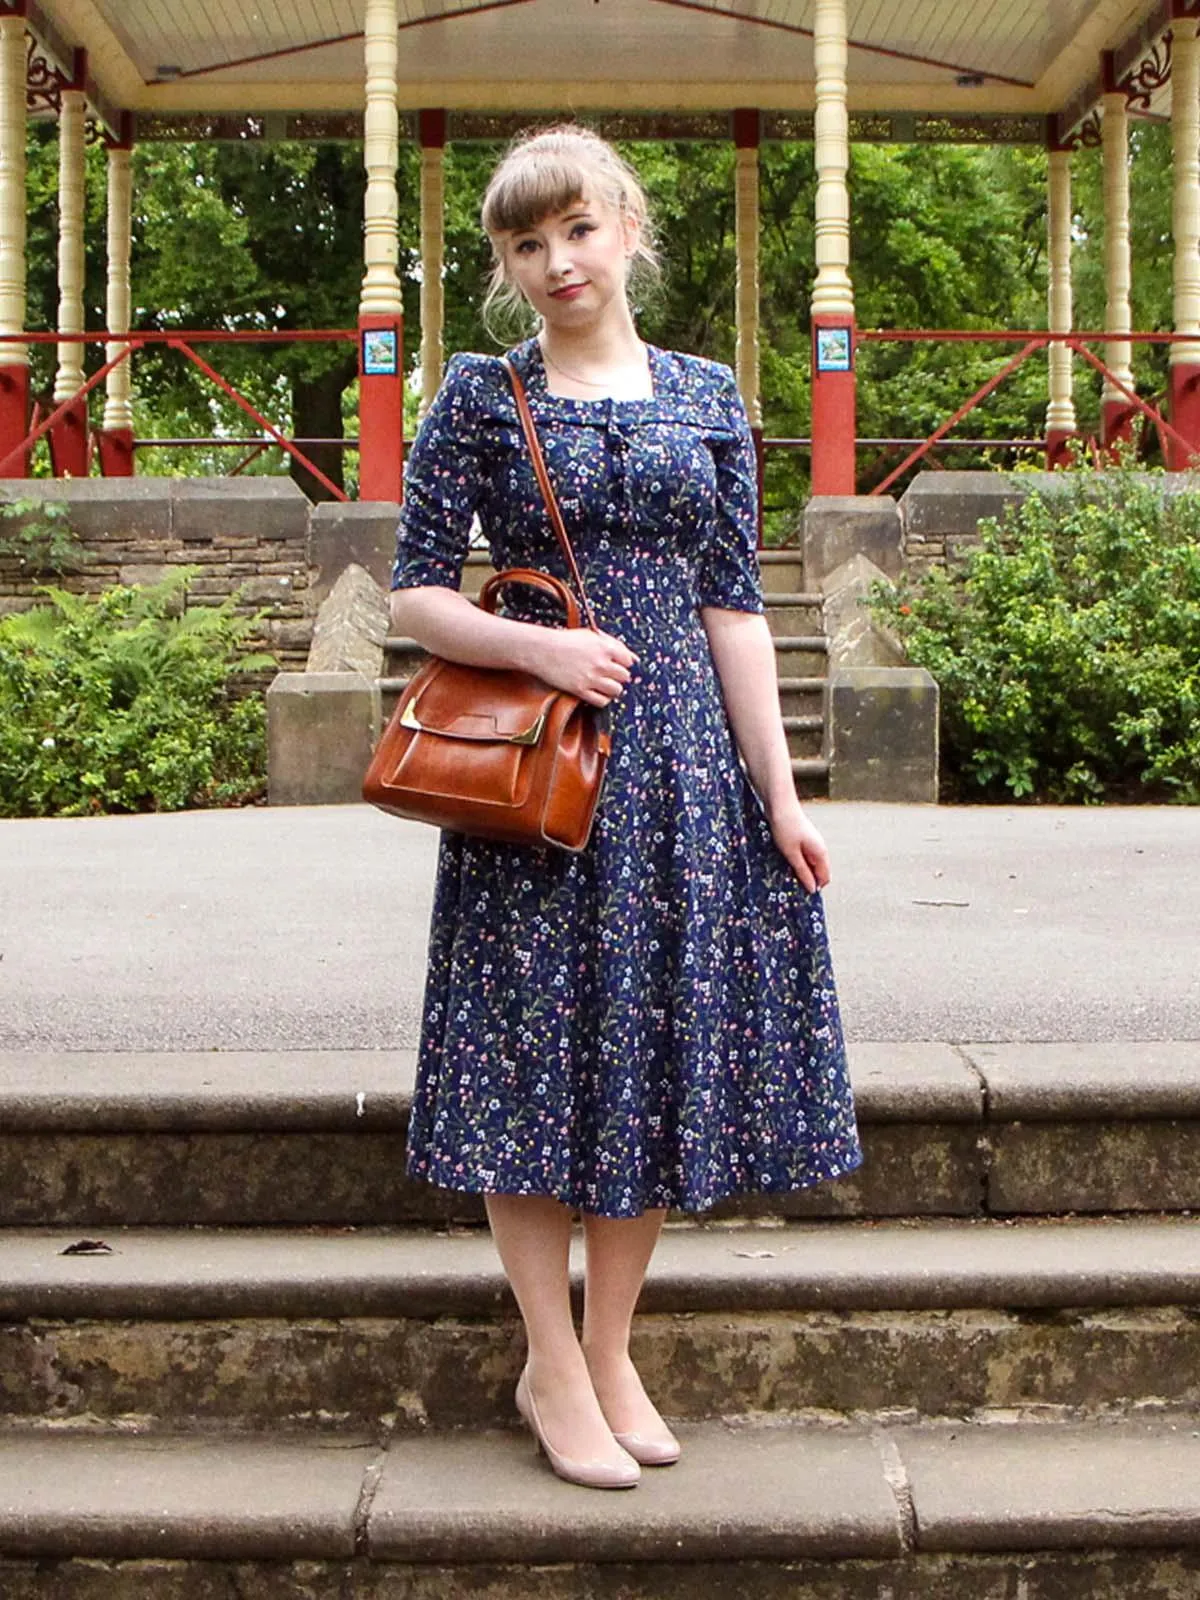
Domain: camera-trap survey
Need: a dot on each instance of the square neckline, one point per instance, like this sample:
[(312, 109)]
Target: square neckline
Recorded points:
[(536, 367)]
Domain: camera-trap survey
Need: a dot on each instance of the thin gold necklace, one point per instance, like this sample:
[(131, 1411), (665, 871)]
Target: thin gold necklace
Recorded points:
[(588, 383)]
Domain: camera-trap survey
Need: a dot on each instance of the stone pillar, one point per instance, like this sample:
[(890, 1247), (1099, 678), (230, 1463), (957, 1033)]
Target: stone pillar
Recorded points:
[(1060, 413), (432, 127), (1185, 141), (116, 437), (1117, 413), (381, 365), (833, 399), (883, 735), (14, 358), (746, 138), (69, 439)]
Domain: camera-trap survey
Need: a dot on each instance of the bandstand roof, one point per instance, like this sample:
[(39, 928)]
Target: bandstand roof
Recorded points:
[(1028, 59)]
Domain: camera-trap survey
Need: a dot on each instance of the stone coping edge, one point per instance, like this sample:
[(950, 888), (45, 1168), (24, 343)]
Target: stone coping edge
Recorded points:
[(742, 1492), (900, 1082), (188, 1274)]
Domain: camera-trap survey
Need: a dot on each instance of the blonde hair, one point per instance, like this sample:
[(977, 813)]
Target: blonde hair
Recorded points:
[(543, 173)]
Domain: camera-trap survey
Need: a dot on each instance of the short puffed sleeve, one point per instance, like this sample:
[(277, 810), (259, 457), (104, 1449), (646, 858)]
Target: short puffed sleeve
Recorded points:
[(729, 575), (443, 483)]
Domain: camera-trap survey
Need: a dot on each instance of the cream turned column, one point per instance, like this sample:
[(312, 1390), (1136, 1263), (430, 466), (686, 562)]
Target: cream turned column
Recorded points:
[(746, 227), (381, 382), (1060, 414), (1185, 141), (69, 441), (1117, 413), (833, 401), (116, 439), (432, 128), (14, 358), (746, 137), (381, 150)]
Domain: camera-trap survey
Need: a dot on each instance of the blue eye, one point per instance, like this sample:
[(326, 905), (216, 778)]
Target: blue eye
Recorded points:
[(583, 227), (524, 246)]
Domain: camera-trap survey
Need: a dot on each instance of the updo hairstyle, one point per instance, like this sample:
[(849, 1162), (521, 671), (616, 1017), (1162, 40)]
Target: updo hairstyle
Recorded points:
[(544, 173)]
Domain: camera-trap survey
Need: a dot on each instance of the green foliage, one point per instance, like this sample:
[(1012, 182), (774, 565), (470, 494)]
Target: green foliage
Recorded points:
[(38, 536), (1067, 645), (127, 702), (1152, 289), (257, 236)]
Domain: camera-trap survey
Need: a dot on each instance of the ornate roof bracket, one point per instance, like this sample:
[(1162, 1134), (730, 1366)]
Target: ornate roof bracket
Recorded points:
[(55, 65), (45, 79), (1087, 133), (1139, 67), (1149, 71)]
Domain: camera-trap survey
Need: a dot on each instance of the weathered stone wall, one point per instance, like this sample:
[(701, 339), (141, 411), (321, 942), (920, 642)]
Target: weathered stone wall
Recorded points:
[(940, 511), (257, 537)]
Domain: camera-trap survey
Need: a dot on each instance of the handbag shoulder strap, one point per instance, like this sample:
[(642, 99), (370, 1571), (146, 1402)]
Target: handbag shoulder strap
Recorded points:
[(547, 488)]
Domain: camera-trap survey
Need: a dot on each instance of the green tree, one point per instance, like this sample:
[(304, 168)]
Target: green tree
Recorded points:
[(257, 236)]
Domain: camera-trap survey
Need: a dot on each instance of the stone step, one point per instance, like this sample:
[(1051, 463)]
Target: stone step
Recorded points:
[(1079, 1511), (812, 776), (96, 1139), (801, 655), (406, 1328), (791, 613), (802, 696), (805, 734), (782, 570)]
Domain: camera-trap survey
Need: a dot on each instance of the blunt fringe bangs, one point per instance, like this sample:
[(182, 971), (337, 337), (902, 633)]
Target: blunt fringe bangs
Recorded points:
[(543, 173)]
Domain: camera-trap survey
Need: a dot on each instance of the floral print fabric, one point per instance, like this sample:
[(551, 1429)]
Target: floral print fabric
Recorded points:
[(651, 1022)]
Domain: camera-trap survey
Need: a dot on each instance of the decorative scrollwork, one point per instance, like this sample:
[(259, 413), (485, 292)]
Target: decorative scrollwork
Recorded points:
[(788, 127), (44, 82), (1151, 74), (872, 128), (1086, 135), (199, 127), (666, 125), (325, 125)]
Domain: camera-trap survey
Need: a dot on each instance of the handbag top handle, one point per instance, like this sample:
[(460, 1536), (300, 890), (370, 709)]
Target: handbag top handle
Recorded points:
[(547, 488)]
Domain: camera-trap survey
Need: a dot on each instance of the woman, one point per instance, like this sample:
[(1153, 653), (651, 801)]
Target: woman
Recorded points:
[(651, 1023)]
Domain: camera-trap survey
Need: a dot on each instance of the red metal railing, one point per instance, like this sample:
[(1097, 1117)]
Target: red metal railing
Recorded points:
[(1031, 340), (183, 341)]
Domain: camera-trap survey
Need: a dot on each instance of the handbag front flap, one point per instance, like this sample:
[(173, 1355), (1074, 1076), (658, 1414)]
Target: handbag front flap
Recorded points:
[(462, 702)]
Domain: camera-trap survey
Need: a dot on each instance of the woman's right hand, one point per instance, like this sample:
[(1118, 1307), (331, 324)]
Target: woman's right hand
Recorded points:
[(594, 666)]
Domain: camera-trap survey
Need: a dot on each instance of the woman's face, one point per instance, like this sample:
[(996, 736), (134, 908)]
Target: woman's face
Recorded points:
[(572, 265)]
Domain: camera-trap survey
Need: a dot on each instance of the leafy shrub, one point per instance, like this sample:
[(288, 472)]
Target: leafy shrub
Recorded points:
[(38, 536), (127, 702), (1067, 645)]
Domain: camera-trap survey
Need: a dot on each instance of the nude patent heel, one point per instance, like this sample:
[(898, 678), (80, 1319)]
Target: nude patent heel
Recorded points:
[(662, 1452), (590, 1474)]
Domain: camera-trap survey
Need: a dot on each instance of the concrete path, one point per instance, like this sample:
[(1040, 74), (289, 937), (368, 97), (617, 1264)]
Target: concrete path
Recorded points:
[(305, 929)]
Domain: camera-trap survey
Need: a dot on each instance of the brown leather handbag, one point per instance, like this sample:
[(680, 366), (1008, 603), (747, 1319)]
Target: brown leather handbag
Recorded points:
[(491, 751)]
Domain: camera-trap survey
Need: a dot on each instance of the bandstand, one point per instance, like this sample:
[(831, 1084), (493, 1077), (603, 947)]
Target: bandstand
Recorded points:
[(1065, 74)]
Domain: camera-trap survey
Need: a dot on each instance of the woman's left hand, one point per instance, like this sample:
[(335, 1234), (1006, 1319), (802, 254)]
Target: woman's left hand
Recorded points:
[(801, 843)]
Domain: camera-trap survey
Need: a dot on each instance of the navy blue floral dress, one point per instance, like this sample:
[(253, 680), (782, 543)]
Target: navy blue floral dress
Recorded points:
[(651, 1022)]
